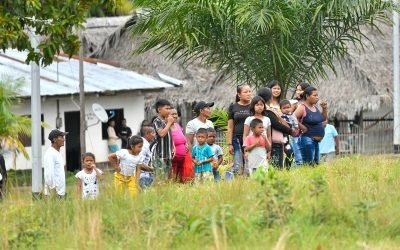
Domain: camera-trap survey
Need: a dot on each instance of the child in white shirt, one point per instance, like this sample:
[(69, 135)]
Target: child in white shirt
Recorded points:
[(88, 178)]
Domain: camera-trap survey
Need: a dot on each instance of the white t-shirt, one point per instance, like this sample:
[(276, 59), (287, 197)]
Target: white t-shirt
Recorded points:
[(193, 125), (54, 174), (90, 188), (266, 123), (128, 162), (146, 157)]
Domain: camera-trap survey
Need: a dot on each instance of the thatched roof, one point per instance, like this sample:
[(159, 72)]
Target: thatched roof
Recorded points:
[(97, 30), (200, 83), (363, 80)]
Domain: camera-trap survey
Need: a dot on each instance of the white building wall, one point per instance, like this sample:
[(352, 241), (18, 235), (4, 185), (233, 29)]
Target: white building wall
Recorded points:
[(132, 103)]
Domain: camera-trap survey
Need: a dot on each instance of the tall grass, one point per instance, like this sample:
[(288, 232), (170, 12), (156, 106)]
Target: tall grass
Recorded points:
[(351, 203)]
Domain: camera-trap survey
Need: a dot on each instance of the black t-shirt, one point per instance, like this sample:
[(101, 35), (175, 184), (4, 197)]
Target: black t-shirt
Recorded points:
[(238, 113), (125, 133)]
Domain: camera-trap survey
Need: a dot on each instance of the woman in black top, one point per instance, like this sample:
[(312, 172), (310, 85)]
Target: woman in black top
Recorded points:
[(237, 114), (279, 127)]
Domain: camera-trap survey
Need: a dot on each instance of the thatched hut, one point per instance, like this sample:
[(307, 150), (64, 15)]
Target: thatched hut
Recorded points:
[(198, 82), (360, 95), (361, 90)]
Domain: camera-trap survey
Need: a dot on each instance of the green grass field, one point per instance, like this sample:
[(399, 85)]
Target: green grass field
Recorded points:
[(352, 203)]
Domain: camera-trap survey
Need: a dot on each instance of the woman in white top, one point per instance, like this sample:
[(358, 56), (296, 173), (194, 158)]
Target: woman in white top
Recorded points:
[(112, 137), (203, 113)]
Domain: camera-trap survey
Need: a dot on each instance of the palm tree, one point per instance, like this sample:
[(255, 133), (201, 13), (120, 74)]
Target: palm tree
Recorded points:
[(12, 126), (259, 40)]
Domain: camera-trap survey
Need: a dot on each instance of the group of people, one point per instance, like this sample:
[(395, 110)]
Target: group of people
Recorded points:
[(123, 133), (262, 130)]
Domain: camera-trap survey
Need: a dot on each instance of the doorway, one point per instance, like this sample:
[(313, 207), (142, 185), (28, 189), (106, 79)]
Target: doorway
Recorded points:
[(72, 140)]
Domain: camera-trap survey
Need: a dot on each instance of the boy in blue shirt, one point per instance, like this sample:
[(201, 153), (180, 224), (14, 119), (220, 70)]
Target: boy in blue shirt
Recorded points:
[(202, 157), (217, 153), (329, 146)]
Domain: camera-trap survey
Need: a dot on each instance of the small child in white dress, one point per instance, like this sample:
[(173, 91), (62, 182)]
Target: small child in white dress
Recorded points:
[(88, 178)]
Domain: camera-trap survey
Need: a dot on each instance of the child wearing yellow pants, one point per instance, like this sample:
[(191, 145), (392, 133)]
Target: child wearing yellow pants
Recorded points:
[(127, 164)]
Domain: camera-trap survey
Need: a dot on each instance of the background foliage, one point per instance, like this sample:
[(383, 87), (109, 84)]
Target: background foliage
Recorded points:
[(53, 20), (257, 41)]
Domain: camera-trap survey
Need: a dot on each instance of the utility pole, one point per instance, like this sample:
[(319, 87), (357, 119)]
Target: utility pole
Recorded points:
[(82, 99), (36, 124), (396, 82)]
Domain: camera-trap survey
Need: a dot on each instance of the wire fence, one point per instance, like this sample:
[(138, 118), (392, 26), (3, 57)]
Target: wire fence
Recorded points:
[(375, 136)]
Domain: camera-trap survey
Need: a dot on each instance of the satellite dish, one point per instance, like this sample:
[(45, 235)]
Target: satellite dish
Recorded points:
[(100, 112)]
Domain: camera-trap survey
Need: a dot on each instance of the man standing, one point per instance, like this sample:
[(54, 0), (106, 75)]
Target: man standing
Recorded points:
[(54, 173), (329, 146), (124, 133)]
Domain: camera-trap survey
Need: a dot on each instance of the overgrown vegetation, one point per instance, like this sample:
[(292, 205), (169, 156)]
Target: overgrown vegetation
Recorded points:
[(351, 203)]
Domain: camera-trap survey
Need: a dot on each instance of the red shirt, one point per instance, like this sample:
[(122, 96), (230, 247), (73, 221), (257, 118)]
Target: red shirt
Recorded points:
[(252, 139)]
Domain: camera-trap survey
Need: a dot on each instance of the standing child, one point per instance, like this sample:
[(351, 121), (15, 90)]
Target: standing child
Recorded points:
[(127, 164), (202, 157), (256, 146), (88, 178), (286, 114), (216, 151), (146, 177), (257, 110), (165, 146)]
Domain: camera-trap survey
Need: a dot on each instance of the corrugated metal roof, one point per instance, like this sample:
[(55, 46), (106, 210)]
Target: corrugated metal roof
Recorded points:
[(62, 78)]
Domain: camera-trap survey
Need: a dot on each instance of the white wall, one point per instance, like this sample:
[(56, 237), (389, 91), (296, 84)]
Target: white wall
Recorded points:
[(132, 103)]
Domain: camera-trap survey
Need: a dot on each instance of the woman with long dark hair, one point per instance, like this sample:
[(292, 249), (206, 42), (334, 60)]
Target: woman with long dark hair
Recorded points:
[(237, 114), (279, 127), (310, 122), (295, 139), (276, 90)]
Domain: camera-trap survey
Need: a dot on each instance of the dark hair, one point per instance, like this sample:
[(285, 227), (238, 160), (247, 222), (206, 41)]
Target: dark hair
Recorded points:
[(134, 140), (265, 93), (239, 90), (201, 131), (145, 122), (88, 154), (274, 83), (145, 129), (254, 123), (284, 102), (308, 91), (110, 121), (254, 102), (303, 86), (161, 103), (211, 130)]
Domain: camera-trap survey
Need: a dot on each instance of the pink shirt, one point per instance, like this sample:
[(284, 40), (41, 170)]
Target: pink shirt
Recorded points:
[(251, 139), (179, 140)]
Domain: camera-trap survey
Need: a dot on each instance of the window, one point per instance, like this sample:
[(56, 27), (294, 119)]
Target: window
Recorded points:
[(27, 140), (115, 115)]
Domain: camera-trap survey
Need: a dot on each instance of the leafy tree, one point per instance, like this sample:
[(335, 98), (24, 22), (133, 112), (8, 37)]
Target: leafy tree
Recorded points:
[(54, 20), (12, 126), (121, 8), (257, 41)]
